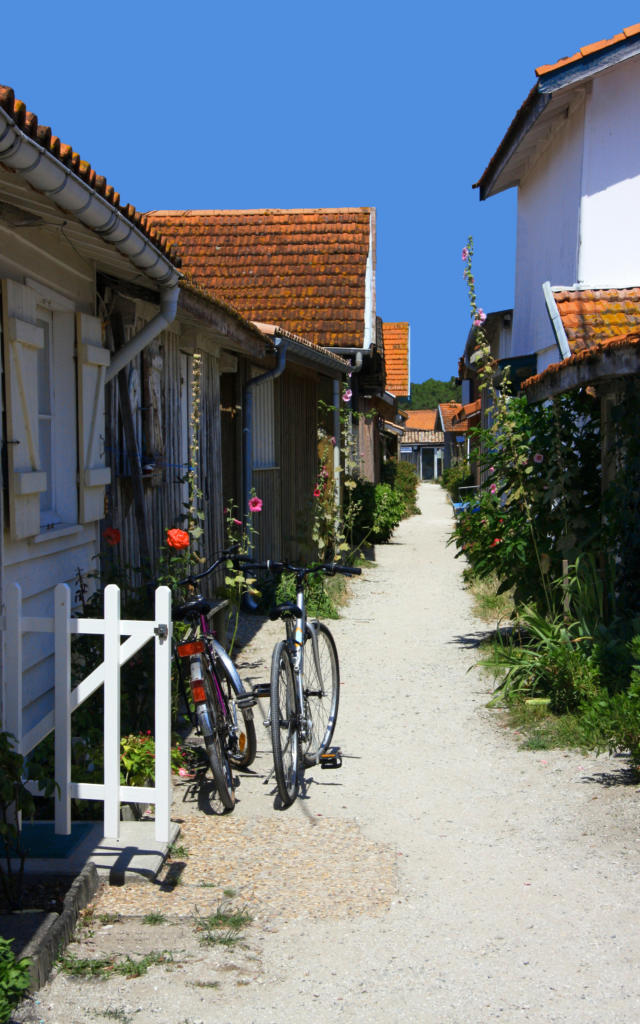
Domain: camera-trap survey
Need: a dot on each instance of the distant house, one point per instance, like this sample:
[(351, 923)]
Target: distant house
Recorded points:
[(311, 272), (422, 444), (570, 153), (454, 431)]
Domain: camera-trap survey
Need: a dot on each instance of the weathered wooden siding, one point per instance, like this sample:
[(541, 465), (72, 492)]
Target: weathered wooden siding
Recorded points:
[(298, 401), (165, 490), (267, 540)]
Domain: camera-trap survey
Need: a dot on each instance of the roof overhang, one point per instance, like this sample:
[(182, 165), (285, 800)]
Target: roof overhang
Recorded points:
[(306, 353), (618, 358), (560, 87)]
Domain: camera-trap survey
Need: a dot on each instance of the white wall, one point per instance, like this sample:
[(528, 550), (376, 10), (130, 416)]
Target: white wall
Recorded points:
[(609, 251), (547, 234), (45, 262)]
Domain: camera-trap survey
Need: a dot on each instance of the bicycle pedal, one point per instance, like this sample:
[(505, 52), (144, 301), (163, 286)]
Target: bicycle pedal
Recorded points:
[(262, 690), (332, 758), (246, 700)]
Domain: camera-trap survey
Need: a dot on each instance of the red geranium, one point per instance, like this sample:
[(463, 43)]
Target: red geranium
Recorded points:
[(112, 535), (177, 539)]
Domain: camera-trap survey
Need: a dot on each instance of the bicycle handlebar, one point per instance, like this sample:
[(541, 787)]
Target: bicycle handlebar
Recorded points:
[(272, 566), (223, 557)]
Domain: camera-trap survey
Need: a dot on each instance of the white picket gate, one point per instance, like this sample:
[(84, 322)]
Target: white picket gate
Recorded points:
[(66, 700)]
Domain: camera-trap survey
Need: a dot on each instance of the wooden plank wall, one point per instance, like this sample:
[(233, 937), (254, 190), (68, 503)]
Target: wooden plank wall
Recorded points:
[(298, 399), (164, 488)]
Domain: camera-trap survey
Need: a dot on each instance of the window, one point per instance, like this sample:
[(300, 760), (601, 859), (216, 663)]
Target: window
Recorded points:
[(264, 445)]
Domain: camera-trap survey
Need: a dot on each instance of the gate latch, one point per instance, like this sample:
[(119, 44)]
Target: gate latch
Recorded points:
[(162, 631)]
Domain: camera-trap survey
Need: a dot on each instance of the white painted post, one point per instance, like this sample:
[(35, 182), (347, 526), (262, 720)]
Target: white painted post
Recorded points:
[(13, 664), (112, 712), (163, 628), (62, 707)]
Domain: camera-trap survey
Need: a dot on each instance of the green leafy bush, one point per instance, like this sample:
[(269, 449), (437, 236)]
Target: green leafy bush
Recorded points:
[(402, 476), (544, 657), (389, 510), (612, 721), (14, 979), (456, 476)]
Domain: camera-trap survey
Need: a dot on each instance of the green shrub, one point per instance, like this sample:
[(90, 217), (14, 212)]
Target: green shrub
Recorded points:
[(456, 476), (612, 722), (544, 658), (389, 510), (14, 979), (402, 476)]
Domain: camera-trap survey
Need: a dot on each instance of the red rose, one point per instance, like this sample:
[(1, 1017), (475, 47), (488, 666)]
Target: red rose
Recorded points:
[(177, 539)]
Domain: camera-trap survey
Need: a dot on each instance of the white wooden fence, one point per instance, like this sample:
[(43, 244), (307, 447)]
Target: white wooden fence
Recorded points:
[(66, 700)]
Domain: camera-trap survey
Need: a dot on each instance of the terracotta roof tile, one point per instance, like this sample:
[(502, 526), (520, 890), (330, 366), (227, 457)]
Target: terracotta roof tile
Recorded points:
[(302, 269), (421, 419), (396, 357), (448, 412), (27, 122), (586, 51), (592, 316)]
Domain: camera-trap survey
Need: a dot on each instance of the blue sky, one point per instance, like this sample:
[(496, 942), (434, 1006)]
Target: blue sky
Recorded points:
[(398, 106)]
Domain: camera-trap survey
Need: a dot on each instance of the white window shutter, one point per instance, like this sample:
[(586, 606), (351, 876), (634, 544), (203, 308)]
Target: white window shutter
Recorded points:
[(93, 473), (23, 338)]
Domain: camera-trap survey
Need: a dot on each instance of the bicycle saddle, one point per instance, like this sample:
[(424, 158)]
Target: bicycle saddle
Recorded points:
[(192, 610), (289, 610)]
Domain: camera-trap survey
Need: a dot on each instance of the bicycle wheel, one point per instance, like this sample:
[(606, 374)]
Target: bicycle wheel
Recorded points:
[(284, 725), (321, 687), (243, 744), (214, 731)]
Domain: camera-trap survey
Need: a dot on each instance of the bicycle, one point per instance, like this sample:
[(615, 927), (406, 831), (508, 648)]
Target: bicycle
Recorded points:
[(222, 707), (304, 688)]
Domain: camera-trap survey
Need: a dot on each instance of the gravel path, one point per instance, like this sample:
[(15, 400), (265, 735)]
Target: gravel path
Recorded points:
[(441, 876)]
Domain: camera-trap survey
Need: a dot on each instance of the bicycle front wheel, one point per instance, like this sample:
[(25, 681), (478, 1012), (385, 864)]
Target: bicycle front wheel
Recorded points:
[(321, 686), (284, 725), (213, 730)]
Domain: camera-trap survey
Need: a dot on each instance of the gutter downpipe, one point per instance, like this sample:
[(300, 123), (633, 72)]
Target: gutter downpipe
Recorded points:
[(47, 175), (282, 344)]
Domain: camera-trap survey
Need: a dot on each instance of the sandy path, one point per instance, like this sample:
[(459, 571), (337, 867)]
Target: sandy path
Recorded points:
[(442, 875)]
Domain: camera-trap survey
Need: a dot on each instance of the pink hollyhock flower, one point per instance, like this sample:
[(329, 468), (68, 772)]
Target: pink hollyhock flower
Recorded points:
[(255, 504), (481, 316), (494, 543), (493, 488), (333, 441), (316, 492), (325, 472), (538, 458), (465, 254), (346, 397), (492, 469), (112, 535), (238, 522)]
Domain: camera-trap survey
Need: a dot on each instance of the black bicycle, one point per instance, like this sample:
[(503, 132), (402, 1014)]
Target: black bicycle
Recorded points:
[(304, 690), (222, 707)]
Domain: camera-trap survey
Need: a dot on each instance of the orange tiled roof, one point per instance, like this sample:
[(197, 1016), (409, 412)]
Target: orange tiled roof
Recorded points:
[(468, 412), (302, 269), (396, 357), (592, 316), (40, 133), (587, 51), (448, 413), (421, 419)]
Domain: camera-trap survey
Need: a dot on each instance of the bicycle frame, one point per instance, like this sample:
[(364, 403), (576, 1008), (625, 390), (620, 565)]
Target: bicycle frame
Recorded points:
[(296, 632)]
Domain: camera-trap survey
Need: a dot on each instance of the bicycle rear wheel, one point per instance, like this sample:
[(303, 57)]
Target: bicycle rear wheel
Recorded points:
[(284, 725), (243, 744), (213, 731), (321, 686)]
